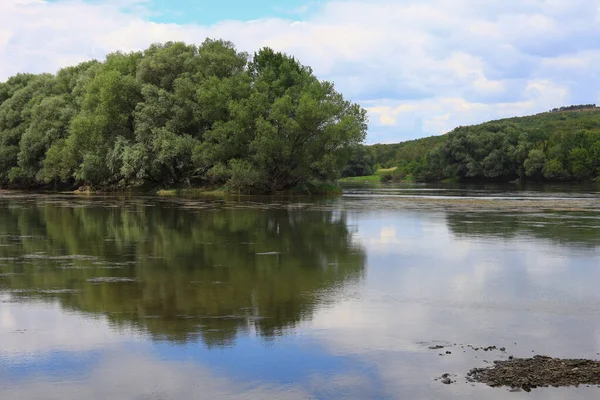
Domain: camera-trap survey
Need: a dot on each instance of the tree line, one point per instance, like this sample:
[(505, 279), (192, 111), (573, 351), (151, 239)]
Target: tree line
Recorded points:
[(574, 108), (174, 115), (545, 147)]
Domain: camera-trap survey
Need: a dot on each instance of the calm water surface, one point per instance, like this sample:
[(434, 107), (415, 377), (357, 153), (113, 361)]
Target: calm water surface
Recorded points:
[(142, 298)]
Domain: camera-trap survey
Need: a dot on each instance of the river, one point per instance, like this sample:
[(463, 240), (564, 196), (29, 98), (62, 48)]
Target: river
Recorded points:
[(105, 297)]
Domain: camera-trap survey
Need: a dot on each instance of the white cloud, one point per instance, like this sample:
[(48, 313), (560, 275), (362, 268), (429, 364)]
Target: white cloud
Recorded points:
[(421, 67), (388, 115), (427, 283), (20, 322), (439, 115), (113, 378)]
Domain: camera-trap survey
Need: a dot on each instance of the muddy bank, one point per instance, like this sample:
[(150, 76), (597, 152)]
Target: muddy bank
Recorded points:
[(539, 371)]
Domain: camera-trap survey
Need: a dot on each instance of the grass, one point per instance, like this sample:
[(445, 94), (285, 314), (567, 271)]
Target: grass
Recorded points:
[(363, 179), (383, 171), (377, 177)]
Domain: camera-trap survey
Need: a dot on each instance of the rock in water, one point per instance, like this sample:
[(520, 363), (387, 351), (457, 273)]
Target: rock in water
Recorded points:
[(436, 347), (539, 371)]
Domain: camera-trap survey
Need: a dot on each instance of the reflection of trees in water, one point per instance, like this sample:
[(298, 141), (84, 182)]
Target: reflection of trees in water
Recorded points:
[(198, 272), (573, 229)]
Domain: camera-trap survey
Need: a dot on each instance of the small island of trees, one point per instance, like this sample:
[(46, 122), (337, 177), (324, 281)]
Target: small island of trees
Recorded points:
[(177, 115)]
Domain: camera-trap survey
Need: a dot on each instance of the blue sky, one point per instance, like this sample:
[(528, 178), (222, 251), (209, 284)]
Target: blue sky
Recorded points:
[(420, 67), (211, 12)]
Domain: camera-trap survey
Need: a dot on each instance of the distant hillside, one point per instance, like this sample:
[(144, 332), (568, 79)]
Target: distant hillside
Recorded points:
[(560, 145), (568, 119), (366, 160), (391, 155), (582, 107)]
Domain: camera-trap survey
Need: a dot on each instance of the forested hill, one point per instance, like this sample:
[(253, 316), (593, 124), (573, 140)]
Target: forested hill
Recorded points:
[(174, 115), (560, 145)]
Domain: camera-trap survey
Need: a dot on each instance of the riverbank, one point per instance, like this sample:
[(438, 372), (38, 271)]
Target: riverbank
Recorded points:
[(305, 189)]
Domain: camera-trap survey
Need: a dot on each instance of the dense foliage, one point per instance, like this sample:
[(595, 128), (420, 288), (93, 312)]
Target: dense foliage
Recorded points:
[(367, 160), (550, 146), (361, 163), (398, 154), (177, 114)]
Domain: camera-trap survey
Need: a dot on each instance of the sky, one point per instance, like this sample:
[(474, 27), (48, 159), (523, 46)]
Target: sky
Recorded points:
[(420, 67)]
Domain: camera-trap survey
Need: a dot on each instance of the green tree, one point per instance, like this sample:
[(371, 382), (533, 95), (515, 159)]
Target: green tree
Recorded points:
[(534, 164), (554, 170), (581, 163), (360, 163), (49, 123), (175, 115), (548, 146), (309, 128)]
